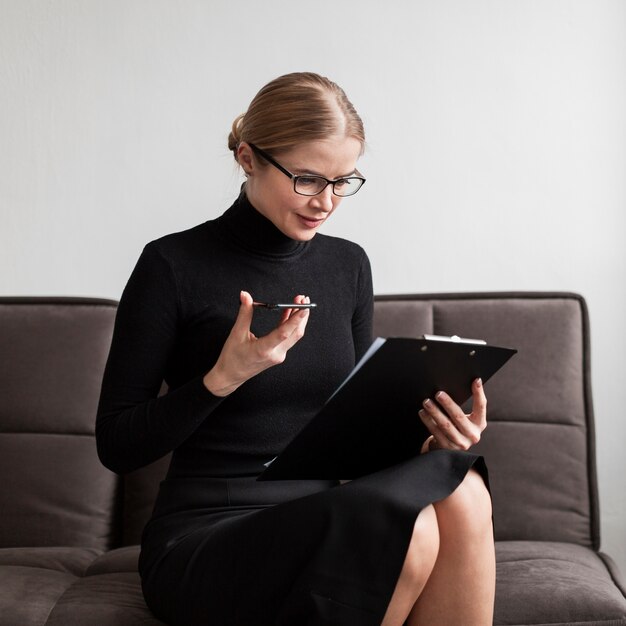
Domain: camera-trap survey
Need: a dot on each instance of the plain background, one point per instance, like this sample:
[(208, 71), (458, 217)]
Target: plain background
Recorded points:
[(496, 152)]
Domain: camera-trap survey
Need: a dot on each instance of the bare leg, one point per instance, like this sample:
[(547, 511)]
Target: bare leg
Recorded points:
[(461, 588), (418, 565)]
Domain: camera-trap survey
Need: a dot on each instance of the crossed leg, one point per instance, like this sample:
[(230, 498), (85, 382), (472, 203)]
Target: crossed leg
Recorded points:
[(448, 576)]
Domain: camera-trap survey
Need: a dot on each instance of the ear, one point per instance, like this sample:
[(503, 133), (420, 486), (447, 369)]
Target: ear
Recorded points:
[(245, 158)]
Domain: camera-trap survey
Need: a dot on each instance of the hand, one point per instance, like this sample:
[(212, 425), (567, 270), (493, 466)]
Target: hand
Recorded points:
[(244, 355), (450, 428)]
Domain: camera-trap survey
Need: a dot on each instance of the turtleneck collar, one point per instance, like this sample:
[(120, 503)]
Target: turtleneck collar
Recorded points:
[(249, 229)]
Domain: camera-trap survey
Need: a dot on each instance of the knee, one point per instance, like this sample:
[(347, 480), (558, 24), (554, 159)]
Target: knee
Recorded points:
[(468, 506)]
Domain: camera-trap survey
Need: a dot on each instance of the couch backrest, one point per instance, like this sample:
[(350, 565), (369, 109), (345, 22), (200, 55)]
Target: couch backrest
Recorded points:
[(539, 445), (54, 491)]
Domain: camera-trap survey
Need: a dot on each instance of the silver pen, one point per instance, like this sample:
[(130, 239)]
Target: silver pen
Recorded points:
[(293, 305)]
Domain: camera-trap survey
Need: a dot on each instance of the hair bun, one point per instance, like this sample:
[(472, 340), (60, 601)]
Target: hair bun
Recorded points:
[(234, 137)]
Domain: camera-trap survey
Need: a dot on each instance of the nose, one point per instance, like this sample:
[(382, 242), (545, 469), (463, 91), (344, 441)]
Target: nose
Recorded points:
[(324, 200)]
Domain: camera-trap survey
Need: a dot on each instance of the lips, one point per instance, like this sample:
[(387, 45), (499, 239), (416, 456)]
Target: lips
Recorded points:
[(310, 222)]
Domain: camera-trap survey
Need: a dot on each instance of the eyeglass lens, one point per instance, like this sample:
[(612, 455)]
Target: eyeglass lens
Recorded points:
[(312, 185)]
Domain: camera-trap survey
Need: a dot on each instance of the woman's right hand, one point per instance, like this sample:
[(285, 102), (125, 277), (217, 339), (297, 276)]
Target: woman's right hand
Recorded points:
[(244, 355)]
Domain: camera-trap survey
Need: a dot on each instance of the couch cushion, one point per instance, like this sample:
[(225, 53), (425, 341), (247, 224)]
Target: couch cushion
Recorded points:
[(108, 594), (103, 600), (55, 351), (28, 594), (70, 560), (55, 491), (402, 318), (554, 583), (68, 586), (121, 560), (537, 495)]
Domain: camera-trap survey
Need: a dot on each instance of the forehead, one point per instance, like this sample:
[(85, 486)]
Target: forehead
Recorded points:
[(331, 157)]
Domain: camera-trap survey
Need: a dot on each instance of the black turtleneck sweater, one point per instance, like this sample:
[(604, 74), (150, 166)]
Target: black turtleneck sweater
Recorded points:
[(174, 315)]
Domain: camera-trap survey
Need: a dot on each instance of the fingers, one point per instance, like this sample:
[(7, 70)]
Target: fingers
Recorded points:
[(244, 317), (444, 427), (479, 403), (288, 312), (273, 347), (244, 355), (449, 425), (291, 330)]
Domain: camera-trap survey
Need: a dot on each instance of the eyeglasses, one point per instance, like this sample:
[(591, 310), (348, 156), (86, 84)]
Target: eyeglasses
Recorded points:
[(313, 185)]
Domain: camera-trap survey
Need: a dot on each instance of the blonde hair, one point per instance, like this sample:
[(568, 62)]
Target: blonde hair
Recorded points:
[(295, 108)]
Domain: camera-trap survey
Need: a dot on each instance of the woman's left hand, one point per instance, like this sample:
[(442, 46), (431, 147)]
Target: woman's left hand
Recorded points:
[(450, 427)]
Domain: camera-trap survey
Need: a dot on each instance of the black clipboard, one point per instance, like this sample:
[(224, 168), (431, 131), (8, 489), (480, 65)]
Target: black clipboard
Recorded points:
[(371, 422)]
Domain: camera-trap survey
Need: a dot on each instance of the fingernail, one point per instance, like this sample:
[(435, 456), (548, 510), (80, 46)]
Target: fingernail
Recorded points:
[(427, 402), (479, 382), (440, 395)]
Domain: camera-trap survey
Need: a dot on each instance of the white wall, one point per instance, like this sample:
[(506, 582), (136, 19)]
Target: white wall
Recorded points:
[(496, 160)]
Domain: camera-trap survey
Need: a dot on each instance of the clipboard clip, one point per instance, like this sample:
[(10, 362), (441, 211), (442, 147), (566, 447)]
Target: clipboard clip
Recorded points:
[(455, 339)]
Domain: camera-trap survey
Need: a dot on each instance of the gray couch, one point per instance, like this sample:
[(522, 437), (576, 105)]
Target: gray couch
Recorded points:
[(69, 528)]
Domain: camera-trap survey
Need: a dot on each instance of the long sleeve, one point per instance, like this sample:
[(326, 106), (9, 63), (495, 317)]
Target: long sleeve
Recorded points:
[(362, 320), (133, 426)]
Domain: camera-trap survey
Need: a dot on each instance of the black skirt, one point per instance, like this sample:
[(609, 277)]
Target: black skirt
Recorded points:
[(245, 553)]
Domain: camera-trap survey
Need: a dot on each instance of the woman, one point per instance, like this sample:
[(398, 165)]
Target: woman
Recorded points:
[(413, 542)]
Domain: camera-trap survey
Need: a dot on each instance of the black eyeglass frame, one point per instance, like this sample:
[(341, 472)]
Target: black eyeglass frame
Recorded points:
[(295, 177)]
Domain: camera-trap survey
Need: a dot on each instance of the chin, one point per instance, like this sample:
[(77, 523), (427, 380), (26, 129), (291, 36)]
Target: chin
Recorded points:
[(303, 235)]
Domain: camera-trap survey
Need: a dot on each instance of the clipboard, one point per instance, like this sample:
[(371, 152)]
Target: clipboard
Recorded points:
[(371, 421)]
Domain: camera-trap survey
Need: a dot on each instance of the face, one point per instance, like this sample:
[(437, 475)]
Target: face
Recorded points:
[(271, 192)]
